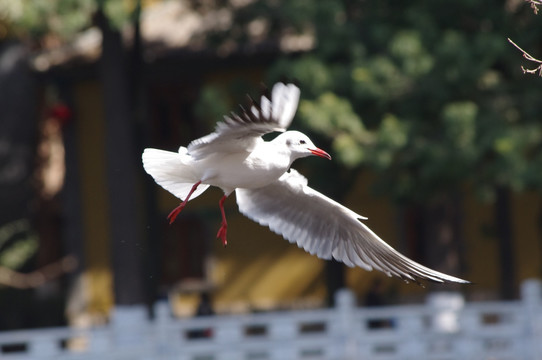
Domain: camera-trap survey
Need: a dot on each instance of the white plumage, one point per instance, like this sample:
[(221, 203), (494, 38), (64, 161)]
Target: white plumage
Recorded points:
[(235, 157)]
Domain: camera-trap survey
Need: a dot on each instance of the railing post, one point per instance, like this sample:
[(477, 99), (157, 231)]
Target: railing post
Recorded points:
[(445, 308), (531, 297), (470, 324), (162, 317), (162, 311), (411, 326), (284, 329), (100, 340), (228, 335), (130, 327), (345, 306), (42, 347)]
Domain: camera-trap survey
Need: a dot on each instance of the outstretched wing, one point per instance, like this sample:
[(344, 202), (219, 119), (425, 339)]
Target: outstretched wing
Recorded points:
[(327, 229), (242, 132)]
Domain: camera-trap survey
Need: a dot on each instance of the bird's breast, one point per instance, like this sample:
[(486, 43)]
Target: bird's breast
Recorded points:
[(248, 171)]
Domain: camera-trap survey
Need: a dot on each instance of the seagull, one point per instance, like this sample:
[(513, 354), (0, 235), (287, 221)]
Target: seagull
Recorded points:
[(236, 158)]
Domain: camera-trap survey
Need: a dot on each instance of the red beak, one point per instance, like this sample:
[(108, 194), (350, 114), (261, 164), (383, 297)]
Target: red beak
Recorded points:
[(321, 153)]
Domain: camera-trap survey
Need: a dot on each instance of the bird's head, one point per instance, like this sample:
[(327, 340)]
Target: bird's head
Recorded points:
[(300, 145)]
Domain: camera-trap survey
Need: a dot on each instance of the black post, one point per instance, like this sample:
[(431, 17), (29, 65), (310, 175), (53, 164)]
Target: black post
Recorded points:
[(122, 175), (503, 225)]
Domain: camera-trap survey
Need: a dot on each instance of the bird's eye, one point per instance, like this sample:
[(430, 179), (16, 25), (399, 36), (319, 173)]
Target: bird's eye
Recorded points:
[(302, 142)]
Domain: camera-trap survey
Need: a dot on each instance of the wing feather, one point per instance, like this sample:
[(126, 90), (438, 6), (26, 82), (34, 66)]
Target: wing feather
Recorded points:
[(243, 131), (327, 229)]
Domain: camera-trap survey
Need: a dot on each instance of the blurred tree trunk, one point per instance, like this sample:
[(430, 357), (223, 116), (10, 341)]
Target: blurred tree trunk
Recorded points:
[(139, 103), (18, 123), (503, 227), (18, 129), (335, 279), (126, 237)]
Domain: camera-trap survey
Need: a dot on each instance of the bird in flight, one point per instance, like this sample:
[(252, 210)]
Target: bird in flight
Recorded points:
[(236, 158)]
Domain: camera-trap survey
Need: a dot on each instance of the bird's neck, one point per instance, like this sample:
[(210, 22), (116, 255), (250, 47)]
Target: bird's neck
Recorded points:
[(277, 147)]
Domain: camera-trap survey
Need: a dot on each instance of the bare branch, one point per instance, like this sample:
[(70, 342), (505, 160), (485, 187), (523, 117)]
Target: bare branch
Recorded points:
[(534, 5), (529, 57), (36, 278)]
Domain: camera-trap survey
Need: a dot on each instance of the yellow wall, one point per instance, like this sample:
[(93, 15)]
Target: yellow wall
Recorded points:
[(527, 215), (90, 132), (480, 245)]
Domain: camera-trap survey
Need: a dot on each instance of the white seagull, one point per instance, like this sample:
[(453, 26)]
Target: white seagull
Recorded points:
[(235, 157)]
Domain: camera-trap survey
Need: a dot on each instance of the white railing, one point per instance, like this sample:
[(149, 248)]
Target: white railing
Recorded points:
[(444, 328)]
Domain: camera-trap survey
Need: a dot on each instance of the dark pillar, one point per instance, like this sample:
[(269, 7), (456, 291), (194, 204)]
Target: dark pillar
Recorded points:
[(122, 170)]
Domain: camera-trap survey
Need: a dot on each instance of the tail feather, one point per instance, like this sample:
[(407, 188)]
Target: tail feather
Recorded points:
[(172, 171)]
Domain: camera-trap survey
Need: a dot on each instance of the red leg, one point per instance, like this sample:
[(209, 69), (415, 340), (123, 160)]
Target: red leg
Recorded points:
[(224, 226), (173, 214)]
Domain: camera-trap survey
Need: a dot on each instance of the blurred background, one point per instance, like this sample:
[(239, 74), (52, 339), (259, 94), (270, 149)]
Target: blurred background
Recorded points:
[(434, 128)]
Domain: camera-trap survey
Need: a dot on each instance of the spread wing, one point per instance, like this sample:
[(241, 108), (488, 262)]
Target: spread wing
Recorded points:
[(242, 132), (327, 229)]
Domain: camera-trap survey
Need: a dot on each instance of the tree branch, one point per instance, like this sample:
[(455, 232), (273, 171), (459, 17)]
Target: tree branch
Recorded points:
[(534, 5), (36, 278), (527, 56)]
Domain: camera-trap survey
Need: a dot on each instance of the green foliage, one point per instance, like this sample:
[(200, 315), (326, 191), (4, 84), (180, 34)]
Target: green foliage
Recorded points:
[(334, 116), (438, 87), (35, 19), (407, 48), (18, 243), (212, 105), (313, 74), (459, 124)]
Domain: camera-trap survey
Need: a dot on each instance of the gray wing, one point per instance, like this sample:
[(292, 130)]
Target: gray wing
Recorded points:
[(242, 132), (327, 229)]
